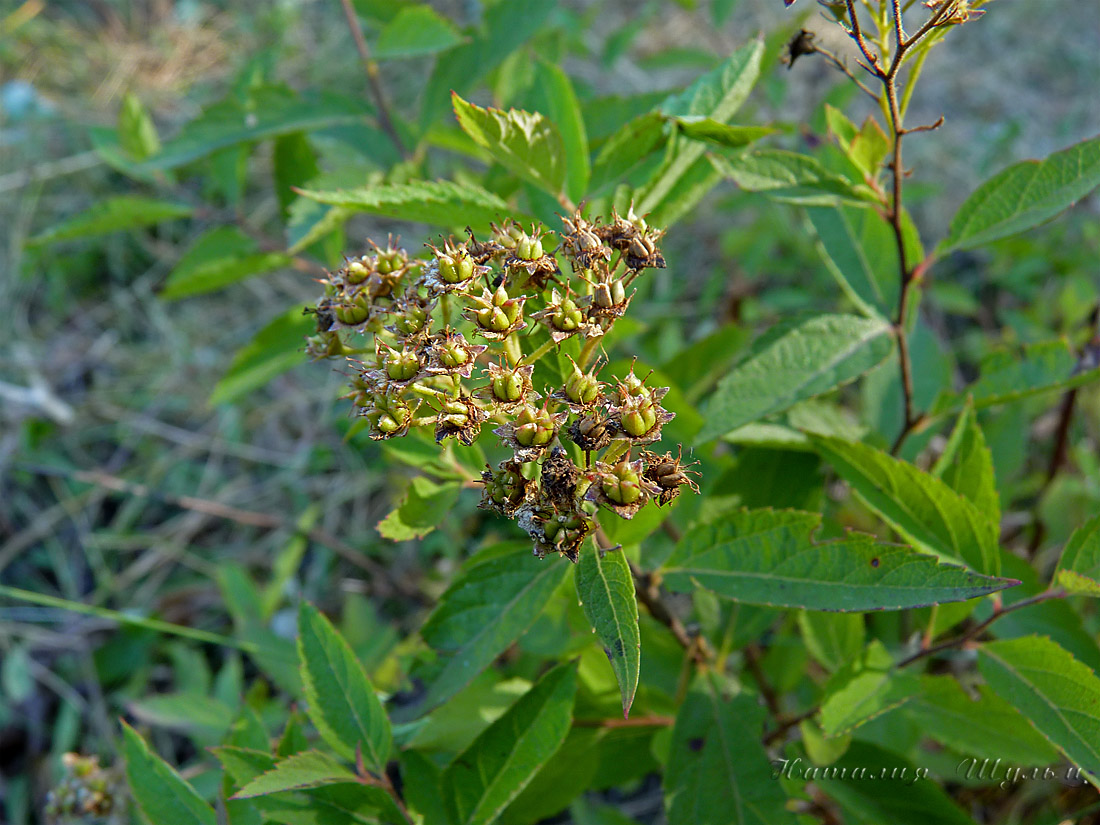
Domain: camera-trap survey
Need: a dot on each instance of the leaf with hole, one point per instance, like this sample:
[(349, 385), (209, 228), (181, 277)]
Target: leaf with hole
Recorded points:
[(920, 506), (769, 557), (606, 589)]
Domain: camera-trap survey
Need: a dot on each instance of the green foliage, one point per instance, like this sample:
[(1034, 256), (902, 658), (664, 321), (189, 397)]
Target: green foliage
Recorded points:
[(769, 557)]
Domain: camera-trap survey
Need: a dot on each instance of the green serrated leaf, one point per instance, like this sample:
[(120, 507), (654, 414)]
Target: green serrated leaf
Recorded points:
[(982, 726), (498, 595), (867, 687), (416, 30), (218, 258), (425, 505), (160, 792), (440, 203), (606, 589), (309, 769), (717, 771), (1024, 195), (769, 557), (918, 505), (1059, 695), (808, 359), (273, 350), (113, 215), (790, 177), (1079, 567), (341, 702), (716, 95), (966, 465), (526, 143), (489, 774)]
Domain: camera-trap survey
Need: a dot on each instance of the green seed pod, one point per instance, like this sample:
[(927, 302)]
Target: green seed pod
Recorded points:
[(356, 272), (582, 388), (402, 366), (507, 387)]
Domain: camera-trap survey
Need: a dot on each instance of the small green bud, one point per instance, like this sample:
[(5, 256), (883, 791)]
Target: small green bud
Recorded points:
[(581, 388), (534, 428), (402, 366), (453, 354), (507, 387), (622, 485), (357, 272)]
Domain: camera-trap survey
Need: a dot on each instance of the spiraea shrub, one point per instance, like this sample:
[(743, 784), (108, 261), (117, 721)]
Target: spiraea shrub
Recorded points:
[(791, 523)]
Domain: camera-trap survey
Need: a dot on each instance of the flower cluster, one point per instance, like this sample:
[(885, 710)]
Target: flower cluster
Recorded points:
[(453, 341)]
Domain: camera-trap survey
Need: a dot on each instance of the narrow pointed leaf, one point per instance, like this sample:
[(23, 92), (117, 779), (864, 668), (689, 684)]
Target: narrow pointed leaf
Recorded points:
[(716, 95), (769, 557), (160, 792), (276, 348), (440, 203), (717, 771), (309, 769), (341, 702), (1025, 195), (220, 257), (917, 504), (790, 177), (1079, 568), (271, 111), (497, 596), (867, 687), (1059, 695), (489, 774), (791, 365), (526, 143), (113, 215), (966, 465), (606, 589), (722, 134)]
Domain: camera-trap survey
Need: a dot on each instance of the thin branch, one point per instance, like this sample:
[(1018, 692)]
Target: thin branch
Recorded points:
[(981, 627), (843, 67), (926, 652), (633, 722), (374, 79)]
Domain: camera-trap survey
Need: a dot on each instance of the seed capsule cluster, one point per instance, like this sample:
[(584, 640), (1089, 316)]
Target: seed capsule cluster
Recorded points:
[(86, 793), (453, 341)]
